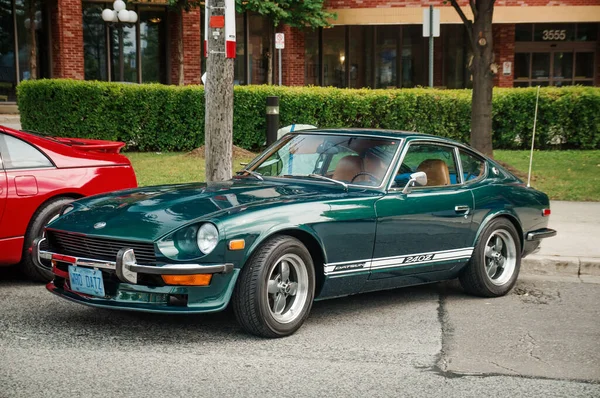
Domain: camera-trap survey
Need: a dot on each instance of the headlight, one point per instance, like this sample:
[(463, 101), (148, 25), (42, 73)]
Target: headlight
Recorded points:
[(185, 240), (207, 238), (190, 242)]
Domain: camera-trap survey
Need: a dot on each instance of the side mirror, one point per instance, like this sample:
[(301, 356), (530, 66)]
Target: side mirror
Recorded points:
[(416, 179)]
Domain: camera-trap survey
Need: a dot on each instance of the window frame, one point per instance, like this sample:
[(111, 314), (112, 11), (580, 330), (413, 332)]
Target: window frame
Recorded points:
[(6, 158), (456, 155), (385, 181)]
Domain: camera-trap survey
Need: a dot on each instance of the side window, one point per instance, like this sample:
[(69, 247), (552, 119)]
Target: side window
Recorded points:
[(17, 154), (437, 161), (473, 167)]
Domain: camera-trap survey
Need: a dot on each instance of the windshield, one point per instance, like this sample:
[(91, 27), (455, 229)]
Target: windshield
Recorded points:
[(348, 159)]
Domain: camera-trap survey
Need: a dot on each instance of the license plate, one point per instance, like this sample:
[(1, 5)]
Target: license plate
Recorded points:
[(88, 281)]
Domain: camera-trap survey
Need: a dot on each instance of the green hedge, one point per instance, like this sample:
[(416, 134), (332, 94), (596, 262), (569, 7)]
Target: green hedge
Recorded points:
[(152, 117)]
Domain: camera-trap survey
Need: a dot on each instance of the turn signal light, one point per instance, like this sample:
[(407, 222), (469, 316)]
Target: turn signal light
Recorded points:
[(546, 212), (188, 280), (237, 244)]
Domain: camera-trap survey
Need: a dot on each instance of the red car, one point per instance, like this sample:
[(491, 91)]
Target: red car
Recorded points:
[(39, 175)]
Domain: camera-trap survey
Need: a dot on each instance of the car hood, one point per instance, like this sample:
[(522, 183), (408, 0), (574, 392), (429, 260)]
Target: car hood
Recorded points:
[(152, 212)]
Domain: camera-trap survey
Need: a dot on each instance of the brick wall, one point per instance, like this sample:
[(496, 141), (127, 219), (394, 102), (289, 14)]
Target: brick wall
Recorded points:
[(504, 49), (192, 47), (292, 57), (67, 39)]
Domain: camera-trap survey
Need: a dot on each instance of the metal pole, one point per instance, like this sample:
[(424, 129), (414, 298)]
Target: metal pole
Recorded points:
[(537, 98), (280, 66), (430, 46), (272, 119), (121, 57)]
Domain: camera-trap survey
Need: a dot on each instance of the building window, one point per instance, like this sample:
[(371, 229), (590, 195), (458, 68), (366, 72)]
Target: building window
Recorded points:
[(153, 44), (334, 56), (361, 56), (94, 42), (312, 66), (129, 53), (415, 55), (555, 54), (386, 56), (23, 24)]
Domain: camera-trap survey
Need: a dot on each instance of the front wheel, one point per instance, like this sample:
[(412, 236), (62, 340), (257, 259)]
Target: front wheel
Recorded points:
[(275, 291), (494, 266)]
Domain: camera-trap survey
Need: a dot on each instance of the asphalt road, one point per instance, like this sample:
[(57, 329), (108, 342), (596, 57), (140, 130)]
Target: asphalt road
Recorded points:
[(541, 340)]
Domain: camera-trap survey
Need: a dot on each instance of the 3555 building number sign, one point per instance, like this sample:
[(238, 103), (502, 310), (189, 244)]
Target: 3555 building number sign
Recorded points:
[(554, 34)]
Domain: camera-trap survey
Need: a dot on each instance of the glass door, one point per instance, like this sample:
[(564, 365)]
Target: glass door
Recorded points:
[(554, 68)]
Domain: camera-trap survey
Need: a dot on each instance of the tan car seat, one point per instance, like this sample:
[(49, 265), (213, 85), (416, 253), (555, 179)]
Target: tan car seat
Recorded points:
[(437, 172), (347, 168)]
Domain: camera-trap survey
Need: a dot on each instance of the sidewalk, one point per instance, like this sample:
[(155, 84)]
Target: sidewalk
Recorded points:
[(12, 121), (575, 250)]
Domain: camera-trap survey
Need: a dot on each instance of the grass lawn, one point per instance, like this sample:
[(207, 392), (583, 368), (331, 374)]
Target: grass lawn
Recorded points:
[(153, 168), (563, 175)]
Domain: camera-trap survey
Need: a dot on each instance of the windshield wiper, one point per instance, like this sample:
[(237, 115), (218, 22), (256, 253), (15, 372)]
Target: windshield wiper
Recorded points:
[(252, 173), (320, 177)]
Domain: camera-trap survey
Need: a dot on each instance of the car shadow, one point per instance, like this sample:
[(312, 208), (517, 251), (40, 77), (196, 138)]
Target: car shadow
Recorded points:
[(221, 327)]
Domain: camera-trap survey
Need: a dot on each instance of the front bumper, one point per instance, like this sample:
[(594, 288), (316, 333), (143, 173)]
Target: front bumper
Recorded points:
[(122, 288)]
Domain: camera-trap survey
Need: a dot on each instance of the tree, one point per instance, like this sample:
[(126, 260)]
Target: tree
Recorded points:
[(181, 6), (295, 13), (483, 68), (219, 71), (218, 95)]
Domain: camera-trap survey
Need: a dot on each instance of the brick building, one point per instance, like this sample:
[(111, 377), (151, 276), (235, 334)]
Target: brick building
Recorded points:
[(374, 43)]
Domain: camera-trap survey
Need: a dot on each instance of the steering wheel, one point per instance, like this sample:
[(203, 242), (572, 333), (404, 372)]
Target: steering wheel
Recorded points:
[(364, 173)]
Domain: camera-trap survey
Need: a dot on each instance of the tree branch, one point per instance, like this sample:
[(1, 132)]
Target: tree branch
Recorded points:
[(473, 8), (468, 23)]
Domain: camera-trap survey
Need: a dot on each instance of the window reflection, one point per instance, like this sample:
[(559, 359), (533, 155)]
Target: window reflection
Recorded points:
[(239, 72), (386, 56), (153, 37), (259, 55), (8, 78), (334, 56), (127, 71), (94, 42), (311, 57), (361, 56)]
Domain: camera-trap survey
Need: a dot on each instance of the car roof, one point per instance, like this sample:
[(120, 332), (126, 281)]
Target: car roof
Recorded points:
[(365, 132)]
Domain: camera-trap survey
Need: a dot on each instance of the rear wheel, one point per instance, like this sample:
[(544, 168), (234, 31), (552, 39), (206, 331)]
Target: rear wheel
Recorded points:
[(48, 212), (496, 261), (275, 291)]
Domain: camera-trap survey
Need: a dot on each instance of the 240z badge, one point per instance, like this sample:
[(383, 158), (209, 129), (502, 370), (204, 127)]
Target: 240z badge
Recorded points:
[(417, 259)]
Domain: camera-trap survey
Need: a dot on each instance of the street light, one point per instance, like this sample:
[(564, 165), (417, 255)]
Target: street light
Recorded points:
[(118, 17)]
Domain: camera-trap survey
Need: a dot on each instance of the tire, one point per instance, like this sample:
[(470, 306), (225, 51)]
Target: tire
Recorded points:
[(496, 261), (267, 300), (40, 219)]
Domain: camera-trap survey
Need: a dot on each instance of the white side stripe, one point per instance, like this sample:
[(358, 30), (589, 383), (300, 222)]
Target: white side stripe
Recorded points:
[(347, 267)]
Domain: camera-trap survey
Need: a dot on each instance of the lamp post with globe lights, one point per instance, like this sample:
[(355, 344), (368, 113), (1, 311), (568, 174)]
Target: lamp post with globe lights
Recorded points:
[(118, 17)]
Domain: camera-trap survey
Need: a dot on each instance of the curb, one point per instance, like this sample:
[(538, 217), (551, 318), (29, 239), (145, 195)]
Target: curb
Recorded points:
[(561, 265)]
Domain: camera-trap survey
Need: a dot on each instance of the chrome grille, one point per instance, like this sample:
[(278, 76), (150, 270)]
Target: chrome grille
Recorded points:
[(98, 248)]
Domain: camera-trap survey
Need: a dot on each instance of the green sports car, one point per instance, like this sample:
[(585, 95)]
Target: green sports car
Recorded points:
[(319, 214)]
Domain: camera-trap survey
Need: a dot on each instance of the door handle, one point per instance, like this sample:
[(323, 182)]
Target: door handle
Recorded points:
[(462, 209)]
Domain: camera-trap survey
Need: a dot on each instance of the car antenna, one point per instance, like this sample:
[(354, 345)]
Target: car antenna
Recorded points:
[(537, 99)]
